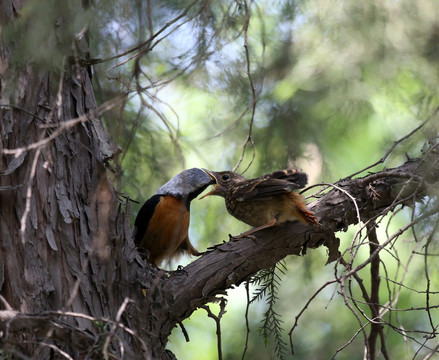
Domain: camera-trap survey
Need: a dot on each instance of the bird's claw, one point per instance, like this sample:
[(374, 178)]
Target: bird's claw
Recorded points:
[(180, 271)]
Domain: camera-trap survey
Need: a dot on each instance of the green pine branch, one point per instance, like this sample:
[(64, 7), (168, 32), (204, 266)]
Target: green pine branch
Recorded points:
[(268, 282)]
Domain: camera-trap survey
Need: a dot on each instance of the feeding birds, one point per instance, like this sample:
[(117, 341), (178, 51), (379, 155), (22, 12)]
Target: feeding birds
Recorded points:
[(265, 201), (161, 226)]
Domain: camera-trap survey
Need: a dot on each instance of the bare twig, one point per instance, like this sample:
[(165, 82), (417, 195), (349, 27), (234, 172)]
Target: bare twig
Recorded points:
[(342, 281), (146, 45), (395, 144), (247, 325), (184, 331), (432, 352), (26, 211), (427, 276), (376, 328), (63, 126), (56, 348), (298, 316), (249, 138), (217, 319), (344, 346), (5, 303), (391, 238), (114, 326)]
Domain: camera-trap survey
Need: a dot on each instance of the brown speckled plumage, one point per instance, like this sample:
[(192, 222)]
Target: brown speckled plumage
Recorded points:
[(264, 201)]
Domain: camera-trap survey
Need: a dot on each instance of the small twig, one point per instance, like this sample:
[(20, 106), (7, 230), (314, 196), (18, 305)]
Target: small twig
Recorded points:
[(173, 136), (376, 327), (357, 210), (145, 46), (184, 331), (26, 211), (229, 128), (342, 281), (394, 145), (247, 325), (114, 326), (341, 348), (432, 352), (296, 321), (148, 14), (249, 138), (427, 276), (217, 320), (56, 348), (61, 127), (364, 292), (14, 107), (6, 304), (390, 239)]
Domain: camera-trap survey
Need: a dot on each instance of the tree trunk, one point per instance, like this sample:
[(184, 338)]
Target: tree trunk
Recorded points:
[(57, 208)]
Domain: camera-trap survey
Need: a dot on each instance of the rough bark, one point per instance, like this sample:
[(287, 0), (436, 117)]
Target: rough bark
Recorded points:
[(62, 259), (73, 280)]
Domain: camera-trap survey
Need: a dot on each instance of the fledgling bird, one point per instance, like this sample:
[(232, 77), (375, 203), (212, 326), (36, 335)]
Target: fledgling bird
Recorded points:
[(162, 224), (265, 201)]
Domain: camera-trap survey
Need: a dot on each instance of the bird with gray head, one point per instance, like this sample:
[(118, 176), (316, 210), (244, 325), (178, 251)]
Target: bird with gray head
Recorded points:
[(161, 226)]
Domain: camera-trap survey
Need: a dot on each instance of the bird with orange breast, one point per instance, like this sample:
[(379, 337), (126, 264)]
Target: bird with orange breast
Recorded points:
[(265, 201), (161, 226)]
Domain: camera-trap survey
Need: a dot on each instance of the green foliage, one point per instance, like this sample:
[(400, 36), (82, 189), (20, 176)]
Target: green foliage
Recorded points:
[(269, 282), (34, 41)]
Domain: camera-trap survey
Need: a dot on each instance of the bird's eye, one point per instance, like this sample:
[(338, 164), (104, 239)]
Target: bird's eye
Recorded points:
[(226, 177)]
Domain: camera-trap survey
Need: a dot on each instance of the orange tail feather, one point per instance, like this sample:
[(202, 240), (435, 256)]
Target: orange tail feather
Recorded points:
[(309, 217), (302, 213)]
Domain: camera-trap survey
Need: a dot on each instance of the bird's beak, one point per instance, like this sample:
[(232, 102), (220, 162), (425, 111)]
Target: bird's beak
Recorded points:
[(215, 189), (211, 174)]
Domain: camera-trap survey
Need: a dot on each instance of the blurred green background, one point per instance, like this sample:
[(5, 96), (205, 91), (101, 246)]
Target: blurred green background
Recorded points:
[(336, 83)]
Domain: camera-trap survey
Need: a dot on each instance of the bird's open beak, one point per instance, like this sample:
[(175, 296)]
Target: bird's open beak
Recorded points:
[(210, 173), (215, 189)]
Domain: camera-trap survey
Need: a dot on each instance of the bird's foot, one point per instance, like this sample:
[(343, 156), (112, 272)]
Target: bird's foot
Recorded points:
[(180, 271)]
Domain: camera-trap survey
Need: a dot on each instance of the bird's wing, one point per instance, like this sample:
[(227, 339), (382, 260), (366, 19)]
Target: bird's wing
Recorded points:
[(294, 176), (266, 186), (143, 217), (263, 188)]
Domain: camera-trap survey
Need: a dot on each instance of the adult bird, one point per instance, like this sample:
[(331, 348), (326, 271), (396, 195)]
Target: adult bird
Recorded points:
[(161, 226), (265, 201)]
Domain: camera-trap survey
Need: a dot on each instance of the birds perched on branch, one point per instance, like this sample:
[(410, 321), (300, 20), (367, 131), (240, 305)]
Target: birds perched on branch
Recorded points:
[(161, 226), (265, 201)]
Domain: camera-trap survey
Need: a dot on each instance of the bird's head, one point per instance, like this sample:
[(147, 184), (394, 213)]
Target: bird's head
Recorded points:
[(188, 184), (224, 181)]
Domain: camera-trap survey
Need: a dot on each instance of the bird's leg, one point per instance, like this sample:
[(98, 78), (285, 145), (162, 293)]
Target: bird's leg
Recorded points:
[(251, 231)]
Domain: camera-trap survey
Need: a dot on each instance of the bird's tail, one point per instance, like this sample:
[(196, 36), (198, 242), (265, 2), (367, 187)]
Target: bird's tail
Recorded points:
[(294, 176), (301, 211), (309, 217), (187, 247)]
